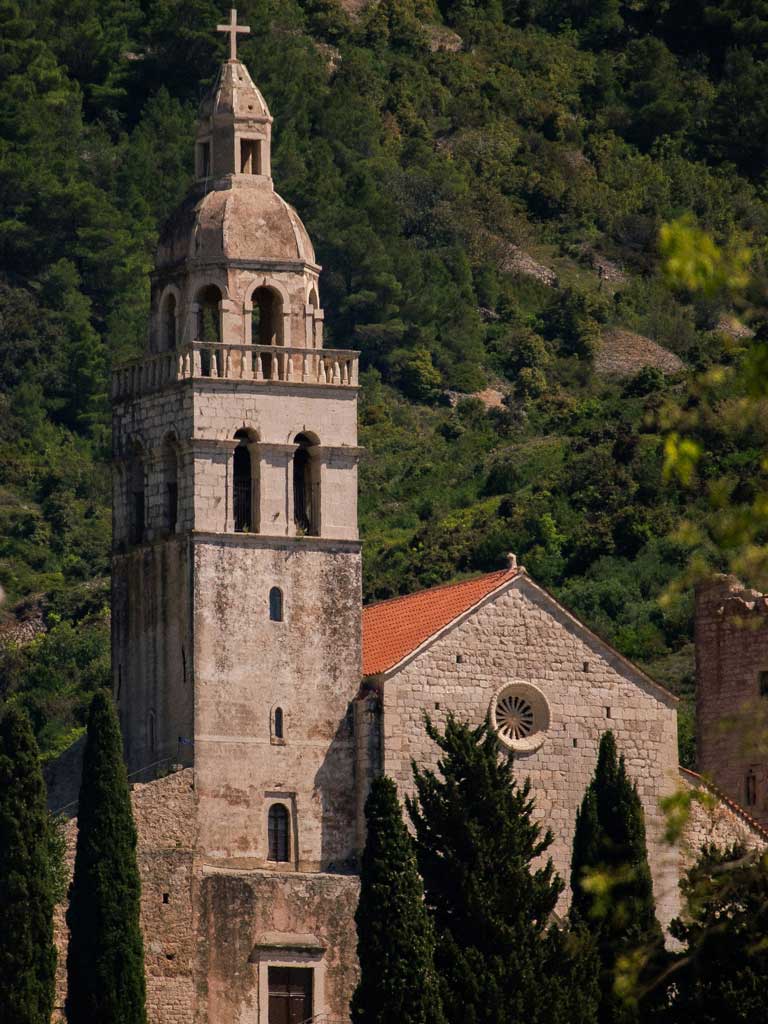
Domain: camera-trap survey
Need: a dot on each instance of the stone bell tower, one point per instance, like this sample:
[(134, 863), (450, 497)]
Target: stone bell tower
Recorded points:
[(236, 560)]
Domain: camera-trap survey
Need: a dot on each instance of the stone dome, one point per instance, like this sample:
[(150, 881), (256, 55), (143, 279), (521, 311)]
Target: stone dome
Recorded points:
[(247, 220)]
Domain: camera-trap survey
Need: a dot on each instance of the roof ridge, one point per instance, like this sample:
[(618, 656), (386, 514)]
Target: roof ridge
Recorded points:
[(442, 586)]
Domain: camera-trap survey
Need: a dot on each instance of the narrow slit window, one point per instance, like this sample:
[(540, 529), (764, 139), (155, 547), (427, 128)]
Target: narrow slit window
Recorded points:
[(762, 683), (279, 724), (276, 604), (750, 789), (279, 842)]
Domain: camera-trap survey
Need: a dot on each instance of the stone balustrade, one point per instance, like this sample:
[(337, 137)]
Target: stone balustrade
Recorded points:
[(266, 364)]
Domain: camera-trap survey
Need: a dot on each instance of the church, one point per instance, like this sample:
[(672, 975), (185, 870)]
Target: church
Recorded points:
[(242, 654)]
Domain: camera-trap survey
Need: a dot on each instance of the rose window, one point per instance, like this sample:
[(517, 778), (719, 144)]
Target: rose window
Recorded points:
[(519, 714), (514, 717)]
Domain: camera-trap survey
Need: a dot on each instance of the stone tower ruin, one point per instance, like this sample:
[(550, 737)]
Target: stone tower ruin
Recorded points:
[(236, 560), (732, 691)]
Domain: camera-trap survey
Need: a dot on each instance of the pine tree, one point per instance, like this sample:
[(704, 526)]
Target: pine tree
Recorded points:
[(27, 952), (498, 956), (612, 887), (105, 960), (395, 941)]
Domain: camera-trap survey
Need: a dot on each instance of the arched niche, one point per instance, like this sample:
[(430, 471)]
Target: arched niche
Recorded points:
[(245, 482), (306, 485)]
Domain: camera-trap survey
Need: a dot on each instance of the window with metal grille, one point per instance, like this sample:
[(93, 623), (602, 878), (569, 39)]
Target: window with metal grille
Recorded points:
[(279, 840), (243, 489)]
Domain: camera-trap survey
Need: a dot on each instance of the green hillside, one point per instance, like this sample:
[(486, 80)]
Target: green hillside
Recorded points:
[(484, 181)]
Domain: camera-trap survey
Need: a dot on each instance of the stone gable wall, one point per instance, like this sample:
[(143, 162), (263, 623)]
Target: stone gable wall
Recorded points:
[(521, 636)]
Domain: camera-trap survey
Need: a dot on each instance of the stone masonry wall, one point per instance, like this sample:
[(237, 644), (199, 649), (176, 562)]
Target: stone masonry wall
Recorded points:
[(152, 653), (249, 921), (164, 811), (731, 714), (715, 820), (246, 665), (522, 635)]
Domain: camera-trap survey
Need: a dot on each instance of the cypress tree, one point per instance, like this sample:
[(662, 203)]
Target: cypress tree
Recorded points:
[(612, 887), (27, 951), (395, 941), (105, 960), (497, 954)]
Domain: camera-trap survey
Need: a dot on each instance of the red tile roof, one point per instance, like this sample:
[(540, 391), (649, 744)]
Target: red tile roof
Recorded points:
[(395, 628)]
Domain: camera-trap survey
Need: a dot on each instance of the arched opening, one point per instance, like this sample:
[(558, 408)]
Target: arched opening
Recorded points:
[(242, 490), (306, 488), (315, 338), (136, 498), (279, 724), (171, 482), (168, 317), (208, 327), (278, 834), (267, 317), (276, 604)]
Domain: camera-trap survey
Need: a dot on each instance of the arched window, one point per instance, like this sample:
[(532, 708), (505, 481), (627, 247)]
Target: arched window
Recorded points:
[(267, 317), (278, 723), (276, 604), (278, 834), (243, 488), (306, 488), (209, 314), (136, 499), (169, 322)]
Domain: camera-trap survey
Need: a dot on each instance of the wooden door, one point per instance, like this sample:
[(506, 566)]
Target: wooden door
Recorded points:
[(290, 995)]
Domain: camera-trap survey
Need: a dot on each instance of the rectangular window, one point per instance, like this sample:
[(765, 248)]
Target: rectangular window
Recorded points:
[(249, 157), (762, 683), (203, 159), (290, 995)]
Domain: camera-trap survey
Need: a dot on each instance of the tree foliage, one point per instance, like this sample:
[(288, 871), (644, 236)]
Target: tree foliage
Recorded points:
[(395, 940), (721, 970), (612, 887), (28, 878), (105, 956), (489, 893)]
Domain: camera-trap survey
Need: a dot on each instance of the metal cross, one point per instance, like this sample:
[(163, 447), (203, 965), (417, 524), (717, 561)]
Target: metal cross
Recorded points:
[(232, 29)]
